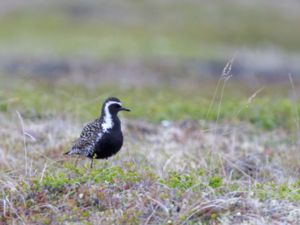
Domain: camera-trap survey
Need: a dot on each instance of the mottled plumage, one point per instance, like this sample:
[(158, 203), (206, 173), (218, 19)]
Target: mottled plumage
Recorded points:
[(103, 137)]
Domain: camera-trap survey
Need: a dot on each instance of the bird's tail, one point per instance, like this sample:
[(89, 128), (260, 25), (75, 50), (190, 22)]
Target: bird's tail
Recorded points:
[(71, 152)]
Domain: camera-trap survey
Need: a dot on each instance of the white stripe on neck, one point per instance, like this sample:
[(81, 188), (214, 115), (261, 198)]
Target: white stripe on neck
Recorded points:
[(107, 121)]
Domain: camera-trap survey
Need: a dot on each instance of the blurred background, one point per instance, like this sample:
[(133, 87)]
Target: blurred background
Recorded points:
[(151, 52)]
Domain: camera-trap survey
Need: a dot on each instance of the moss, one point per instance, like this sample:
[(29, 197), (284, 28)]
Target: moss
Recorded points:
[(215, 182)]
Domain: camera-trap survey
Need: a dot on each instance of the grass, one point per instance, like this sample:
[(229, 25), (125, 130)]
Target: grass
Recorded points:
[(35, 100), (89, 195), (185, 171), (133, 188)]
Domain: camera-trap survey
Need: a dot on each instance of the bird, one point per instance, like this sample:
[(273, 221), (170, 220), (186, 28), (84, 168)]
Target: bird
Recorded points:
[(103, 137)]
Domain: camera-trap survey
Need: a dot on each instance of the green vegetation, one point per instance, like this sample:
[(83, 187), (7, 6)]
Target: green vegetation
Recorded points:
[(77, 194), (189, 29), (267, 110)]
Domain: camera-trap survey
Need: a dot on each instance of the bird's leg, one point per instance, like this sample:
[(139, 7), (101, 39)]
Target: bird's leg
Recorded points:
[(76, 161), (92, 159), (94, 156)]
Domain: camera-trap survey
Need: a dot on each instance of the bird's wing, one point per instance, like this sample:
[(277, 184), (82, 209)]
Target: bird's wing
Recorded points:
[(82, 146), (91, 130), (85, 144)]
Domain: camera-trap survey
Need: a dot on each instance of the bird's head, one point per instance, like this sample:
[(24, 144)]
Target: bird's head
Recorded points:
[(112, 106)]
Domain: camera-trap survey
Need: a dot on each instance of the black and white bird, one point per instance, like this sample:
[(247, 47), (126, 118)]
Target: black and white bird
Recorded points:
[(103, 137)]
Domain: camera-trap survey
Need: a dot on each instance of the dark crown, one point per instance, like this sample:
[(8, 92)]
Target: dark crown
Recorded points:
[(112, 99)]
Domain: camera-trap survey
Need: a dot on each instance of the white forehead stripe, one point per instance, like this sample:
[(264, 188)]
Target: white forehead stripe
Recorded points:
[(107, 104), (108, 123)]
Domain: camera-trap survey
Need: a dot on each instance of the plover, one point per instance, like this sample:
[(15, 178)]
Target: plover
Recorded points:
[(103, 137)]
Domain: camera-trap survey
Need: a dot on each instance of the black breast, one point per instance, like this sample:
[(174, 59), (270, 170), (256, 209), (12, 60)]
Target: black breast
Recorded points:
[(108, 145)]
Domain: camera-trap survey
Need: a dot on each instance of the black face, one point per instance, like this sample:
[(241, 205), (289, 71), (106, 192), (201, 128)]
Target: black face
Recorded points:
[(115, 108), (112, 106)]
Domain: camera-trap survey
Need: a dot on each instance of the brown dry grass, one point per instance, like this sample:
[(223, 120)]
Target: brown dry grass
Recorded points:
[(252, 164)]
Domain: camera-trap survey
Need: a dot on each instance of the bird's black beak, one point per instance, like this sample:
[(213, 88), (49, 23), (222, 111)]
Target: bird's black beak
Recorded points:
[(124, 109)]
